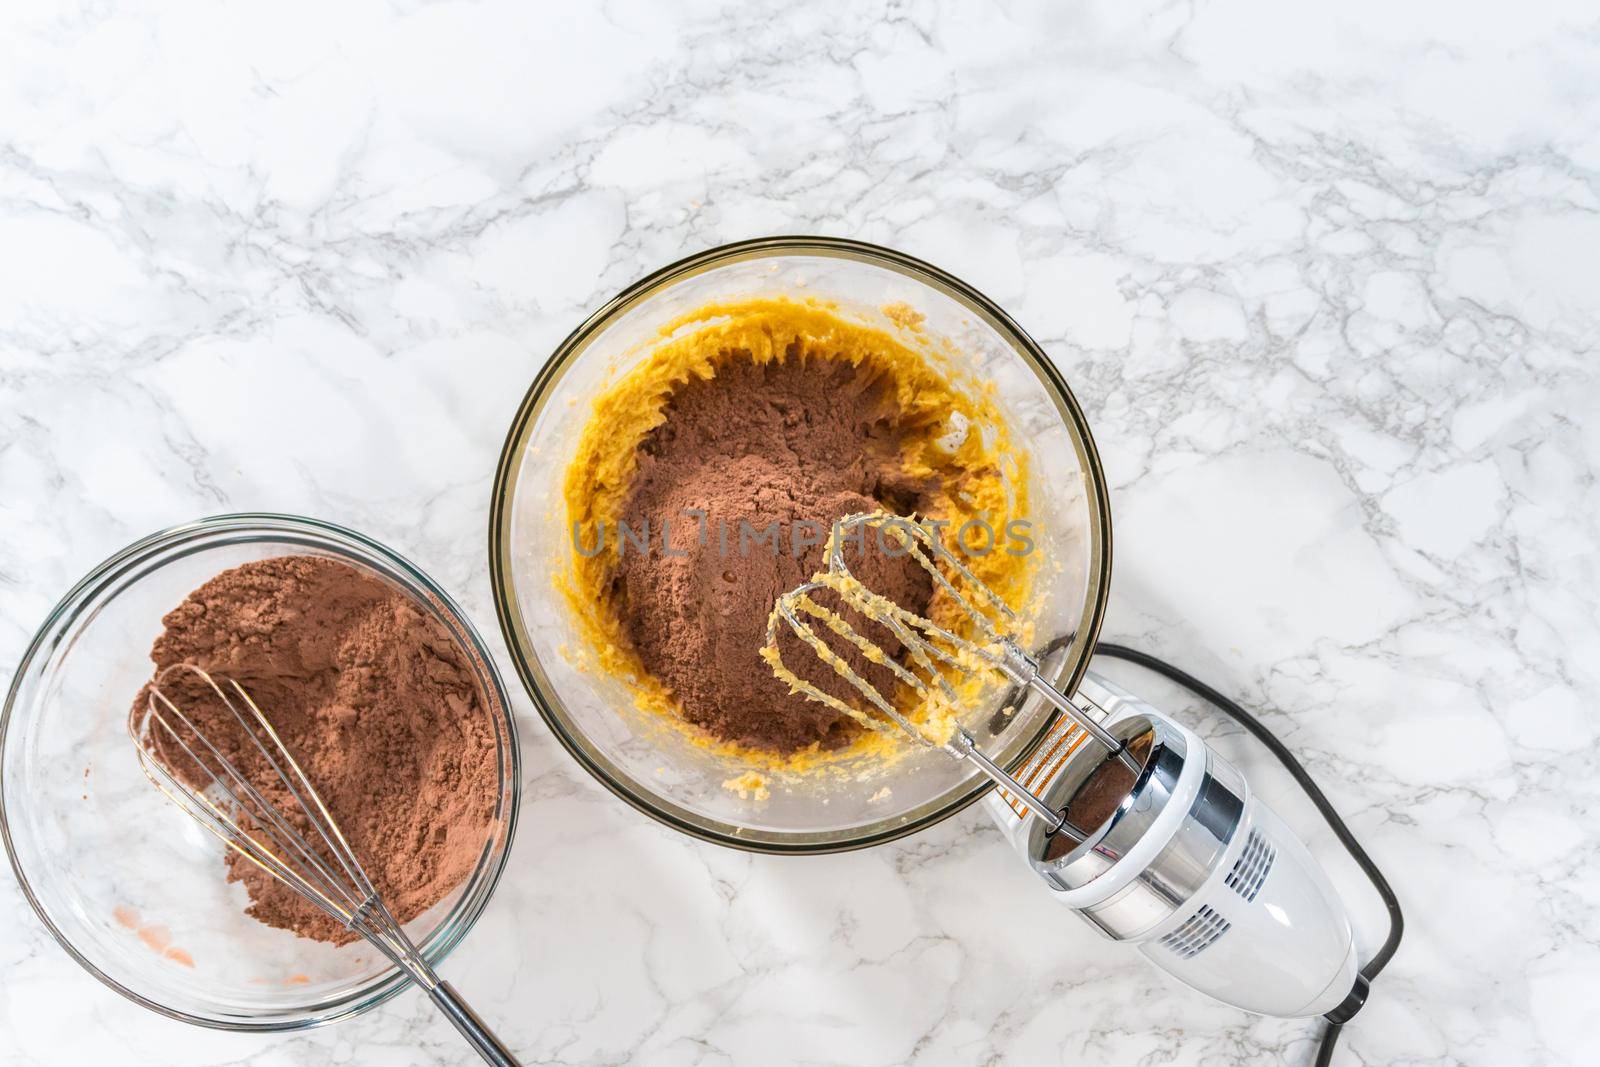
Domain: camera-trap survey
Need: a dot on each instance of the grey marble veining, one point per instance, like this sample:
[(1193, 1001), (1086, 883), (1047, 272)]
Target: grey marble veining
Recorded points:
[(1326, 278)]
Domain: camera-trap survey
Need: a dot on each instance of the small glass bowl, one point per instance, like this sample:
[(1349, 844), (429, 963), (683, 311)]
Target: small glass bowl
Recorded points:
[(128, 885)]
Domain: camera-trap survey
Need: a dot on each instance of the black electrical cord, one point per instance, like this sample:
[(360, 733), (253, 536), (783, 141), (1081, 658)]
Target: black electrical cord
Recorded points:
[(1390, 902)]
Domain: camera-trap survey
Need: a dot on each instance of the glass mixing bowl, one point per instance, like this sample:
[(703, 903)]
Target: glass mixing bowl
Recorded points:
[(128, 884), (659, 770)]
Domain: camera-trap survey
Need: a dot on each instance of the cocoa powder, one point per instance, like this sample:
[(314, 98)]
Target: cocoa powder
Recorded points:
[(787, 442), (372, 698)]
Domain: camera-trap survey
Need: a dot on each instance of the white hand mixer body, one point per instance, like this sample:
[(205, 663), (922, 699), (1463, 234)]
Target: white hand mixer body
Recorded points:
[(1192, 867)]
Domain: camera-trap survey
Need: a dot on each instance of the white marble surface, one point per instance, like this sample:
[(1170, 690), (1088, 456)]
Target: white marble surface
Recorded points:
[(1326, 277)]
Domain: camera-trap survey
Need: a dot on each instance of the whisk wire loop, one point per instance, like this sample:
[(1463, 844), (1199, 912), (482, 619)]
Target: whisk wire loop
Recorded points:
[(244, 796), (323, 868), (236, 811)]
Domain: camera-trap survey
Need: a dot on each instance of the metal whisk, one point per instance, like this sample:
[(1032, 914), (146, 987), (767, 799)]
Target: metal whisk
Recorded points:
[(932, 652), (319, 864)]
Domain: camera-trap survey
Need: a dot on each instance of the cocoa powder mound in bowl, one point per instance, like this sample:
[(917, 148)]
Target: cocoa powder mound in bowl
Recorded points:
[(375, 701)]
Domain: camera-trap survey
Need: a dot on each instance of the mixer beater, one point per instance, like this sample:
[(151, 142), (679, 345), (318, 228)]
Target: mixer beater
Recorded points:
[(933, 653)]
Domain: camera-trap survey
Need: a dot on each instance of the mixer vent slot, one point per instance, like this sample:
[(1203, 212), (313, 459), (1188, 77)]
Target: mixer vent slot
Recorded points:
[(1202, 928), (1251, 868)]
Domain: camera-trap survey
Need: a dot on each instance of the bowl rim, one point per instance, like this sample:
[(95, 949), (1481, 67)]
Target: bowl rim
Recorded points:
[(509, 611), (389, 982)]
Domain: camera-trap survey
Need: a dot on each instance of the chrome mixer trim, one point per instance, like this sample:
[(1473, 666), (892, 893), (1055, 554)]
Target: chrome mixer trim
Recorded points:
[(1196, 850)]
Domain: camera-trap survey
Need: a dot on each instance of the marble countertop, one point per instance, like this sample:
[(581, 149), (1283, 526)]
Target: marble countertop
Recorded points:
[(1326, 278)]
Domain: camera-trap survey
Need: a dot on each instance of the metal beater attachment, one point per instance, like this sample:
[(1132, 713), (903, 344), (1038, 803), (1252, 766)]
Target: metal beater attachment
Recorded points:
[(300, 845), (932, 653)]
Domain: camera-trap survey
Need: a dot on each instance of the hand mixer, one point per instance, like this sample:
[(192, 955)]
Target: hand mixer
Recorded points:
[(302, 846), (1191, 865)]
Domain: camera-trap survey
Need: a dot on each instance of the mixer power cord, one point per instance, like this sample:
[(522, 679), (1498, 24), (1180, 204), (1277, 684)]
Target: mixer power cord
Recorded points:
[(1254, 726)]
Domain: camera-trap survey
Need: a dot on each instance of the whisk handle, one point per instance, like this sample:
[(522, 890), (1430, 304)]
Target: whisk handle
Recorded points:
[(465, 1020)]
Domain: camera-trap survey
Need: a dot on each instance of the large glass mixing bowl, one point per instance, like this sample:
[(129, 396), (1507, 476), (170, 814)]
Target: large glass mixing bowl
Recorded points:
[(128, 884), (661, 771)]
